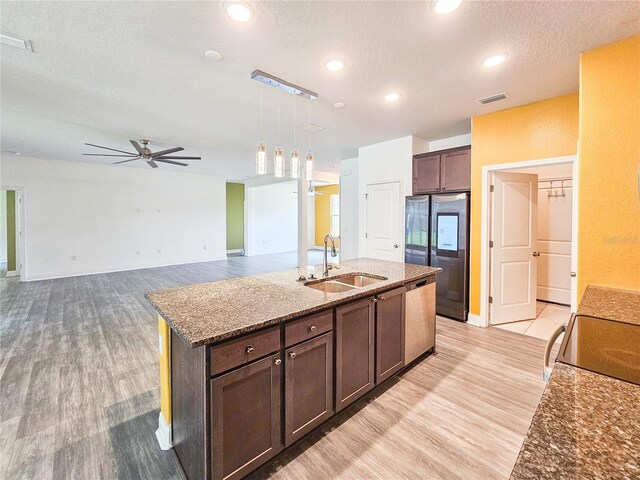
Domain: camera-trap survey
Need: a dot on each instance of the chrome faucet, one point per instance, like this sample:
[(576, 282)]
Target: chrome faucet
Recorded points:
[(326, 266)]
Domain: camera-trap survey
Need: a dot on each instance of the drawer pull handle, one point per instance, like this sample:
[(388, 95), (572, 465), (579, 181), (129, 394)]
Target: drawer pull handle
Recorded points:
[(292, 354), (312, 328), (249, 349), (374, 300), (277, 361), (382, 298)]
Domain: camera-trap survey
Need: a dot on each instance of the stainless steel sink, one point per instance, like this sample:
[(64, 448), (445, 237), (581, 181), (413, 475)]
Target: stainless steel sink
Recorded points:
[(344, 283), (331, 286), (359, 280)]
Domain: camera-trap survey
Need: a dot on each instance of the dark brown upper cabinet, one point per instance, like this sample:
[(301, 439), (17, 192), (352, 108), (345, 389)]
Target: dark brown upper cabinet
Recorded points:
[(245, 418), (442, 171), (308, 386), (355, 351), (390, 326)]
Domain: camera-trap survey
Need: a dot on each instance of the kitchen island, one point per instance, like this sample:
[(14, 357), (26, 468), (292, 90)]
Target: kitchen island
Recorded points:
[(259, 362), (587, 424)]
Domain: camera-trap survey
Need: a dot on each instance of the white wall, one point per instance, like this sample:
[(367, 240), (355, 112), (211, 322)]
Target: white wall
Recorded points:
[(311, 221), (115, 218), (3, 226), (272, 218), (451, 142), (349, 209), (386, 162)]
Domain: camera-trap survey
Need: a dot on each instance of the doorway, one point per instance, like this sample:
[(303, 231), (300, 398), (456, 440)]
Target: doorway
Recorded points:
[(10, 233), (383, 228), (530, 263)]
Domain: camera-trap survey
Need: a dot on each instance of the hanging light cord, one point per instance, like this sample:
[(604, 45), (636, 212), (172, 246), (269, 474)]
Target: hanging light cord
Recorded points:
[(309, 124), (278, 97), (261, 121), (294, 122)]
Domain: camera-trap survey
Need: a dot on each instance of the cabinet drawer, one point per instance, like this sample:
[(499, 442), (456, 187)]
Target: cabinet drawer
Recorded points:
[(243, 350), (308, 327)]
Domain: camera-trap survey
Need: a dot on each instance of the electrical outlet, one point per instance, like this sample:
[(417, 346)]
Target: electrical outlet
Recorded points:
[(138, 210), (159, 251), (137, 252), (205, 247), (74, 258)]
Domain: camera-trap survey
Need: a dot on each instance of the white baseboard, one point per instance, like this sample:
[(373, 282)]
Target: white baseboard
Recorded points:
[(237, 250), (476, 320), (163, 434)]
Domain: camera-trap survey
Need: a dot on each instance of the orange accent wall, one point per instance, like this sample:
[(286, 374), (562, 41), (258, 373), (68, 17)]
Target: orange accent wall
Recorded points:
[(539, 130), (609, 198), (323, 212)]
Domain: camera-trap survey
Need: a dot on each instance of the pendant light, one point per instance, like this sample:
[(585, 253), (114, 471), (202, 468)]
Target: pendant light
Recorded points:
[(309, 162), (261, 154), (294, 171), (278, 157)]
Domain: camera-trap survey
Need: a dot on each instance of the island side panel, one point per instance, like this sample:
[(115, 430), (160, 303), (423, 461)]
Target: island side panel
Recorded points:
[(189, 407)]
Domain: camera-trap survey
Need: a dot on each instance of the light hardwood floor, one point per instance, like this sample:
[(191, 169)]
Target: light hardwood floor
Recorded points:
[(79, 393)]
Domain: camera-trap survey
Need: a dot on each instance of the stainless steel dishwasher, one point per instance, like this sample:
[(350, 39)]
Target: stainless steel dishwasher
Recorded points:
[(420, 318)]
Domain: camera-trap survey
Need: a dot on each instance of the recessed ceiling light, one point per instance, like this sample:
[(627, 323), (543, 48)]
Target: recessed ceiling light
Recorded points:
[(494, 60), (392, 96), (335, 65), (446, 6), (239, 11), (338, 105), (213, 55)]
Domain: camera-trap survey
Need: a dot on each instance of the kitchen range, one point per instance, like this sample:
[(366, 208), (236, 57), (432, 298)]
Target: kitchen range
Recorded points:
[(259, 362)]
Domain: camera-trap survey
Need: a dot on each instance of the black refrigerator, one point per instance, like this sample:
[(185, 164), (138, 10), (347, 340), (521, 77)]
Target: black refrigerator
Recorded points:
[(437, 235)]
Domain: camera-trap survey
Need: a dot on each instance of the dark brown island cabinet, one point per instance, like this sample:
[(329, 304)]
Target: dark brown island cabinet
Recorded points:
[(442, 171), (238, 403)]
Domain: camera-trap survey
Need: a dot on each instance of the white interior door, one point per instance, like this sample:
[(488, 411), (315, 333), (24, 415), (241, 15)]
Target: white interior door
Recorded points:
[(514, 235), (383, 221), (554, 242)]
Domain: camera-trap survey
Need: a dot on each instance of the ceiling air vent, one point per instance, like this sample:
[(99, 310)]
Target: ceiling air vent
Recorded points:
[(492, 98), (311, 127)]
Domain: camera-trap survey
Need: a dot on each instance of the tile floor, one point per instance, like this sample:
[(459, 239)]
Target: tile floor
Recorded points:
[(549, 317)]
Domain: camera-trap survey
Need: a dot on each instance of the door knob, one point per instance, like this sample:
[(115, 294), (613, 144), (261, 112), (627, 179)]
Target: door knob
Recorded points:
[(573, 274), (536, 254), (395, 246)]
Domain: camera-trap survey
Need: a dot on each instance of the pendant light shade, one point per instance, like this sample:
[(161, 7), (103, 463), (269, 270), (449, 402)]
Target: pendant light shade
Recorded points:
[(295, 164), (261, 159), (309, 166), (278, 163)]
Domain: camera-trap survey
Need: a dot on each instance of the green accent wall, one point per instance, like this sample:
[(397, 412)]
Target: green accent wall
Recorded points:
[(235, 216), (11, 230)]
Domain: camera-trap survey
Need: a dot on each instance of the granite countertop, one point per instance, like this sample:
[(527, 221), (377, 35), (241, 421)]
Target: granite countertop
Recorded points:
[(586, 425), (210, 312)]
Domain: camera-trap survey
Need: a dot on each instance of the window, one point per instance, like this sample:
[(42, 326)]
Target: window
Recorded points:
[(334, 212)]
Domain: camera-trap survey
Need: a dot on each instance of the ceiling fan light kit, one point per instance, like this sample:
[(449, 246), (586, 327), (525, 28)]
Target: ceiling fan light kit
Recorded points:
[(144, 153)]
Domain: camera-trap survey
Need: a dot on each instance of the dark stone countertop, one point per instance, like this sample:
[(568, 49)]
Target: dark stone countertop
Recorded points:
[(210, 312), (587, 425)]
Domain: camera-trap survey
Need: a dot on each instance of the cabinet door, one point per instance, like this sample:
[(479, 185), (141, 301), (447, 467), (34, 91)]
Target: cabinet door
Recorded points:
[(390, 333), (245, 418), (456, 170), (426, 174), (308, 386), (355, 342)]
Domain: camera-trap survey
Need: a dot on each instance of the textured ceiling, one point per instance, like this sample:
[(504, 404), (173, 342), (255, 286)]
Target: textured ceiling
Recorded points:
[(106, 72)]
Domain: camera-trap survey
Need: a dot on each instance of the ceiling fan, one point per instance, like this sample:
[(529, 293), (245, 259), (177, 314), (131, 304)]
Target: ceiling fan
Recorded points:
[(143, 153)]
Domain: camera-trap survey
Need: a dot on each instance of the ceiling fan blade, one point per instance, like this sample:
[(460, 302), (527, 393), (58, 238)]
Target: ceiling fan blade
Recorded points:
[(109, 155), (137, 146), (125, 161), (163, 152), (174, 157), (152, 164), (107, 148), (171, 162)]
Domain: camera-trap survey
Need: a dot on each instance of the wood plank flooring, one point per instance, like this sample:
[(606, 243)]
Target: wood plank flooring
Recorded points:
[(79, 396)]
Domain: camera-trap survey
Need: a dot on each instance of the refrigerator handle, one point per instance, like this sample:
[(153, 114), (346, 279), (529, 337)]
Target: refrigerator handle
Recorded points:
[(547, 351)]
